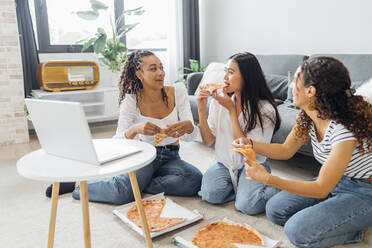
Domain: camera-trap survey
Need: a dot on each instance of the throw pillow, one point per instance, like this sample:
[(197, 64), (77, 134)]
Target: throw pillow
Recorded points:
[(289, 90), (365, 90), (278, 85), (213, 75)]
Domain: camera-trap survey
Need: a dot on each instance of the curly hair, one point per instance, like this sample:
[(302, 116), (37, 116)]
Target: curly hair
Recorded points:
[(335, 100), (129, 82)]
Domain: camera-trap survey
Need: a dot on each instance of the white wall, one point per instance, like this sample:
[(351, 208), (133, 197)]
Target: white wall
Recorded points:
[(284, 27)]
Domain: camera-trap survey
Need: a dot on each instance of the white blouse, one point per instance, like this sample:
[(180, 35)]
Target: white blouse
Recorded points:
[(220, 124), (130, 115)]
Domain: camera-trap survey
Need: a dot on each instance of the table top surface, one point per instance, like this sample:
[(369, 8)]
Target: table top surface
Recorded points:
[(39, 165)]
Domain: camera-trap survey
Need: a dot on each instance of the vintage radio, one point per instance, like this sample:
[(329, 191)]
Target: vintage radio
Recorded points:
[(67, 75)]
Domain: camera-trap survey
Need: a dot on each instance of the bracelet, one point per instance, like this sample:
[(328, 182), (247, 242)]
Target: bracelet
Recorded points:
[(250, 140)]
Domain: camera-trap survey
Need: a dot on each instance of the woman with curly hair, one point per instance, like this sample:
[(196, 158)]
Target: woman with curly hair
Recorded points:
[(336, 206), (147, 107)]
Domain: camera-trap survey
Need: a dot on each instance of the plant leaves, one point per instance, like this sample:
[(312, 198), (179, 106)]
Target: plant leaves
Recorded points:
[(136, 11), (98, 5), (100, 43), (88, 44), (125, 29), (194, 65), (101, 31), (88, 15)]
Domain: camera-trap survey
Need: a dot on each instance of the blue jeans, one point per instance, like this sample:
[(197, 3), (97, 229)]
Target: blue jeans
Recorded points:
[(167, 173), (337, 219), (251, 196)]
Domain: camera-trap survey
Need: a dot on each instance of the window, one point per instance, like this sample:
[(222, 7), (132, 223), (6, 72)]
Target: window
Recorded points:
[(151, 33), (58, 27)]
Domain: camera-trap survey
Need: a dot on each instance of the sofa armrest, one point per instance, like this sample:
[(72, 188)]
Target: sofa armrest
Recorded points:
[(193, 80)]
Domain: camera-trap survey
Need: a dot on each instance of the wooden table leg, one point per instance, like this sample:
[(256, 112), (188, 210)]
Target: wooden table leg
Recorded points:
[(137, 196), (85, 208), (53, 214)]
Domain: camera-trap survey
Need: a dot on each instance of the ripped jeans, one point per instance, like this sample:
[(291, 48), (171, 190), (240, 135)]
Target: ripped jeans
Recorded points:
[(167, 173)]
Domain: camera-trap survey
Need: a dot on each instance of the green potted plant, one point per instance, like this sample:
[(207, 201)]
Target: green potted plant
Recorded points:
[(194, 67), (107, 43)]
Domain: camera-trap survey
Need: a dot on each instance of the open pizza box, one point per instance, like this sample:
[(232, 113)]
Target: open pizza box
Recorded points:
[(184, 239), (170, 210)]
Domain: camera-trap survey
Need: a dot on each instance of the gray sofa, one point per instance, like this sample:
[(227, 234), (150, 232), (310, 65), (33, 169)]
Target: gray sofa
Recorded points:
[(276, 68)]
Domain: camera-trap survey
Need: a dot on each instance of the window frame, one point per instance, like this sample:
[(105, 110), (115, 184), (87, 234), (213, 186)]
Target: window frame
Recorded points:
[(43, 34)]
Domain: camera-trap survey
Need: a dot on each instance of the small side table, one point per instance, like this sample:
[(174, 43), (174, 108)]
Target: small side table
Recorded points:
[(39, 165)]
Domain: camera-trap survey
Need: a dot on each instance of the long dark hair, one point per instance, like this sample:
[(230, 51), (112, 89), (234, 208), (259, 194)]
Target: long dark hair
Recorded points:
[(254, 89), (335, 100), (129, 82)]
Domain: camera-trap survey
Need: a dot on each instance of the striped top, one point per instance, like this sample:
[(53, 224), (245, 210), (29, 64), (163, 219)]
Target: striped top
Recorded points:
[(360, 166)]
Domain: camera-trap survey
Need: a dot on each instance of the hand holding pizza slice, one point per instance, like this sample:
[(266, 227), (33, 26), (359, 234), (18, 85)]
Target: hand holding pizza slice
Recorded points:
[(246, 151), (158, 138), (212, 87)]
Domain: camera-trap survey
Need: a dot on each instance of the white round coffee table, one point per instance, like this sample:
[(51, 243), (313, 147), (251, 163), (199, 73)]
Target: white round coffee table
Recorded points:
[(39, 165)]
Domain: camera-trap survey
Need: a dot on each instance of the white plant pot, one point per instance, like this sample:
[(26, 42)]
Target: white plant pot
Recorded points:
[(115, 78)]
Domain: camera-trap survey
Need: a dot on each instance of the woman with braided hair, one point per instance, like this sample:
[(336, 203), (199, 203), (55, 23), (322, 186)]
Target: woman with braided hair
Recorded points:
[(147, 107), (336, 206)]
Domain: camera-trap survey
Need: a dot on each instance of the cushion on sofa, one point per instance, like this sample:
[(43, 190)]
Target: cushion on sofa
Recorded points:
[(288, 120), (277, 85), (213, 74), (280, 64), (289, 90), (365, 90), (359, 65)]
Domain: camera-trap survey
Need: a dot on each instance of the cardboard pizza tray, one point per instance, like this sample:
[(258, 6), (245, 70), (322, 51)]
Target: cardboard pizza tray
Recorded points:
[(170, 210), (183, 239)]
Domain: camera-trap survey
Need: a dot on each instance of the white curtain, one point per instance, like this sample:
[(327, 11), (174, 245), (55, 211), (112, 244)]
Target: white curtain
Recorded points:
[(175, 42)]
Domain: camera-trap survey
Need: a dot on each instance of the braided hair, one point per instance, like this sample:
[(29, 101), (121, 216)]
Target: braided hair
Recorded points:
[(334, 99), (129, 82)]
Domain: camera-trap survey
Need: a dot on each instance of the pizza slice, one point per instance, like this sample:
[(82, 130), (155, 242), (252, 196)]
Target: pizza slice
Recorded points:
[(222, 234), (246, 151), (212, 87), (153, 211), (164, 223), (158, 138)]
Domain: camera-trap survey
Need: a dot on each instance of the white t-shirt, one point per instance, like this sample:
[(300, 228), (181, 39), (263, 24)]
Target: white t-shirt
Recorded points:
[(130, 115), (220, 125), (360, 166)]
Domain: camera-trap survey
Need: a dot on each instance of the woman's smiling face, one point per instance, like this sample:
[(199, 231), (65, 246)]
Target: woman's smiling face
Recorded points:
[(233, 78), (151, 72)]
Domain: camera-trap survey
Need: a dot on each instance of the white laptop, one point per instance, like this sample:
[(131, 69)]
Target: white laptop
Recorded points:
[(63, 131)]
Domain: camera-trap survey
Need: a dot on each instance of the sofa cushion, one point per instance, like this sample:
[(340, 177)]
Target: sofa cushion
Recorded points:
[(194, 107), (359, 65), (289, 90), (288, 120), (280, 64), (213, 74), (278, 85), (193, 80), (365, 90)]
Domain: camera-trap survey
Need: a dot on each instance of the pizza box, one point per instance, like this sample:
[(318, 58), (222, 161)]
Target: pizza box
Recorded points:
[(183, 239), (170, 210)]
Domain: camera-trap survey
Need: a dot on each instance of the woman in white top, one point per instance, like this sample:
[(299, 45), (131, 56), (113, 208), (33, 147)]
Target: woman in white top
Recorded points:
[(147, 107), (335, 207), (247, 108)]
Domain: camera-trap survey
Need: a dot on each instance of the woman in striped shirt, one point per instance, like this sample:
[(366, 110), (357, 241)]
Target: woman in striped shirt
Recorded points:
[(335, 207)]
